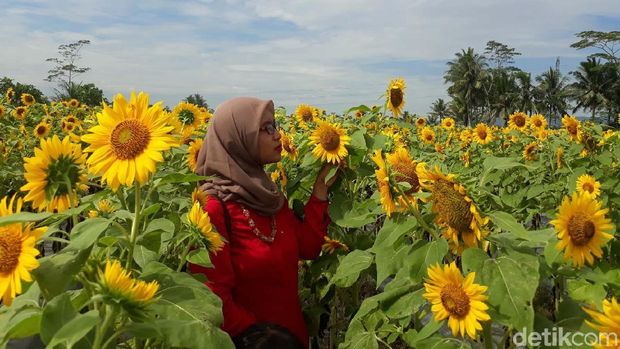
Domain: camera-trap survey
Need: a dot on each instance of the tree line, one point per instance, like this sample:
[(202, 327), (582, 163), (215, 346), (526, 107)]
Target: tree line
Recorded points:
[(486, 87)]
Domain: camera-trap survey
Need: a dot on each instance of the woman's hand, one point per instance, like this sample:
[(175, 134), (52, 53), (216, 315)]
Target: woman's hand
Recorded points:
[(320, 186)]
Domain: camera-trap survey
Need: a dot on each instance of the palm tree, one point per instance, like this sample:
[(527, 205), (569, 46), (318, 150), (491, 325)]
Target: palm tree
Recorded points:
[(551, 93), (197, 99), (525, 97), (467, 74), (589, 88), (502, 97), (439, 110)]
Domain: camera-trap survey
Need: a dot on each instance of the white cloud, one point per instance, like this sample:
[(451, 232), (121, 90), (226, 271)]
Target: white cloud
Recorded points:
[(322, 52)]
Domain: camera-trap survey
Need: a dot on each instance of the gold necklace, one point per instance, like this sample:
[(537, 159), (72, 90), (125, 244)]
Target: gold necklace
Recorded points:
[(257, 232)]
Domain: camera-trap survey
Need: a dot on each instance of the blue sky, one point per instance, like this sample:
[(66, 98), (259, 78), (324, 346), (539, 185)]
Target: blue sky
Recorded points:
[(333, 54)]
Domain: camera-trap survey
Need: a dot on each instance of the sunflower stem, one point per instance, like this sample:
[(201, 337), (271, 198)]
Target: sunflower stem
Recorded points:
[(134, 227), (72, 198), (184, 255), (486, 336), (417, 214), (101, 330)]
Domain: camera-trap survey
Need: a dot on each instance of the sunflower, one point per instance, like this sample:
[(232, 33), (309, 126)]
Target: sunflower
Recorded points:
[(192, 154), (20, 113), (118, 283), (2, 111), (420, 122), (27, 99), (572, 126), (199, 196), (518, 121), (405, 169), (396, 96), (200, 222), (128, 141), (454, 209), (466, 136), (54, 175), (607, 323), (41, 130), (105, 206), (383, 183), (541, 134), (559, 153), (331, 245), (359, 114), (538, 122), (330, 142), (17, 251), (305, 114), (587, 184), (67, 127), (279, 175), (287, 146), (582, 228), (448, 123), (428, 135), (187, 118), (530, 151), (456, 298), (10, 93), (482, 134), (73, 103)]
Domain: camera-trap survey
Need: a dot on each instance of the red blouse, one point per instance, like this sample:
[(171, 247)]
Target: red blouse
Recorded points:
[(258, 281)]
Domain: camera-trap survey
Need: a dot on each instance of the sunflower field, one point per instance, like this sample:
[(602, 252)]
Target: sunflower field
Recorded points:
[(443, 235)]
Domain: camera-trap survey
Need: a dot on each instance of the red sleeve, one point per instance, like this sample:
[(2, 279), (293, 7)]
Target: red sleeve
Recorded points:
[(221, 278), (311, 232)]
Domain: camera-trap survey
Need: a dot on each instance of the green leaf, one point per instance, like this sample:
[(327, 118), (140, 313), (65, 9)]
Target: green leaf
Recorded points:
[(57, 312), (389, 261), (143, 255), (393, 229), (160, 224), (86, 233), (55, 272), (25, 323), (358, 141), (200, 257), (332, 172), (175, 178), (348, 214), (552, 255), (366, 340), (583, 291), (473, 260), (24, 217), (183, 334), (502, 275), (425, 256), (351, 266), (74, 330), (412, 337), (510, 225)]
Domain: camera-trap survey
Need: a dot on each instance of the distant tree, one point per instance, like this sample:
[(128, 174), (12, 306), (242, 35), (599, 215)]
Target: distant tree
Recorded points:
[(500, 54), (467, 75), (525, 94), (197, 99), (608, 42), (6, 83), (66, 69), (439, 110), (88, 94), (589, 87), (551, 93)]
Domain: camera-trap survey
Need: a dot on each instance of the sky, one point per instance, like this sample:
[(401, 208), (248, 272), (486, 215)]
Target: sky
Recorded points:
[(334, 54)]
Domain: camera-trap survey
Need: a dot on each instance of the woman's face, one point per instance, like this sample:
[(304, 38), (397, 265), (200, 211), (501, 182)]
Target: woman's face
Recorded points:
[(269, 144)]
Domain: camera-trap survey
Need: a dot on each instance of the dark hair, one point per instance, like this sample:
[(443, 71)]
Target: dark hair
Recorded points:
[(267, 336)]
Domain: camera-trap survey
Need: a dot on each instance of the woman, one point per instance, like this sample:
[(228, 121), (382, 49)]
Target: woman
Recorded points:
[(255, 274)]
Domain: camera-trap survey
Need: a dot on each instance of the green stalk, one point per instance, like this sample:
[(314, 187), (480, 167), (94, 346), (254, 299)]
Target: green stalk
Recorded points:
[(417, 215), (71, 198), (134, 227), (101, 330), (184, 255), (486, 335)]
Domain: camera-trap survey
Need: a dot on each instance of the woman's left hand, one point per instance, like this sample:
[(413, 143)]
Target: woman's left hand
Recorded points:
[(320, 185)]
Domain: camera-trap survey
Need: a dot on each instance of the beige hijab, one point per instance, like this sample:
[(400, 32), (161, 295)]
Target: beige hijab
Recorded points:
[(230, 153)]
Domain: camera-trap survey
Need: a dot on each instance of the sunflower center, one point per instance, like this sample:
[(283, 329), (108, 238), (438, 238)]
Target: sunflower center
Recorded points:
[(306, 114), (537, 123), (186, 117), (58, 172), (572, 129), (519, 120), (41, 130), (482, 134), (580, 229), (451, 206), (129, 139), (588, 187), (396, 97), (21, 111), (407, 173), (455, 300), (10, 249), (29, 99), (330, 139)]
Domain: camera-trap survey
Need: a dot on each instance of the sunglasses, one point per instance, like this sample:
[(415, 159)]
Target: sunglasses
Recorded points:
[(271, 128)]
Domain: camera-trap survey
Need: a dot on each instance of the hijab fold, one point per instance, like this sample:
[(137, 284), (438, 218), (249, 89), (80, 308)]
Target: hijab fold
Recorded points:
[(230, 153)]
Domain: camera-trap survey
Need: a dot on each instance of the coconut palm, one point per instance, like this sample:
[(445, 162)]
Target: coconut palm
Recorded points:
[(590, 85), (552, 94), (467, 75)]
